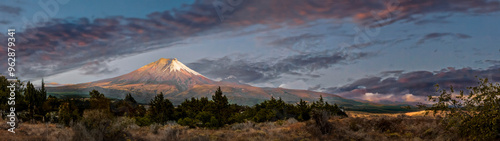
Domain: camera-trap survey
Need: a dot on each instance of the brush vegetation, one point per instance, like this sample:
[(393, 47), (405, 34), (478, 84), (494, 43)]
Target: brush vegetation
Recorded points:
[(460, 117)]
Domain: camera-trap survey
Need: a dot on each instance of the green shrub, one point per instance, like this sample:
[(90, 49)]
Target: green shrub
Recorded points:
[(476, 116), (321, 119), (102, 125), (143, 121), (189, 122)]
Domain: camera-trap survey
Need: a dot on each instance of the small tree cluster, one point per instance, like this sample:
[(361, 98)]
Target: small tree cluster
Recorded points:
[(35, 99), (207, 113), (272, 110), (128, 107), (332, 109), (201, 112)]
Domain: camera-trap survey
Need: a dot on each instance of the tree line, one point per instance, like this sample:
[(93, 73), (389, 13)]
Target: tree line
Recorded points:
[(34, 105)]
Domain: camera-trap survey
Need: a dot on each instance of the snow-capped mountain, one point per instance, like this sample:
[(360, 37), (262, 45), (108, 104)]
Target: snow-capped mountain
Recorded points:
[(178, 82), (163, 71)]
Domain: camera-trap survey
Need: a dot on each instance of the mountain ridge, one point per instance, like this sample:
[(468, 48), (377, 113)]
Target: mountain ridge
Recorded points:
[(178, 82)]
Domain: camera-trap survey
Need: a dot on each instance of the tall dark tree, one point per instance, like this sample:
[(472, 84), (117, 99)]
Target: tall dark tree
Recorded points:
[(220, 100), (41, 97), (221, 110), (43, 91), (303, 111), (31, 98), (4, 92), (20, 100), (161, 110)]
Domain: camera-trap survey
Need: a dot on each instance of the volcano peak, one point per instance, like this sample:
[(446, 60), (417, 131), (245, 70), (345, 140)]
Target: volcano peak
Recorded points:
[(169, 65), (163, 71)]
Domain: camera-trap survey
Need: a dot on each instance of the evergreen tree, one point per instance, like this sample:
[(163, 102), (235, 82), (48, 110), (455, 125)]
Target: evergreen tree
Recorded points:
[(271, 110), (325, 106), (219, 99), (303, 111), (31, 98), (127, 107), (221, 110), (161, 110), (41, 97), (20, 99), (130, 99)]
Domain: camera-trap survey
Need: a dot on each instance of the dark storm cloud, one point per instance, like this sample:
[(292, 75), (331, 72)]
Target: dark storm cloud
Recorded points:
[(418, 83), (10, 10), (249, 71), (61, 45), (433, 36)]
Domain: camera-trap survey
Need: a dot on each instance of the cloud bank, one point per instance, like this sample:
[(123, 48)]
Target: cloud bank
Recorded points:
[(249, 71), (62, 45), (413, 85)]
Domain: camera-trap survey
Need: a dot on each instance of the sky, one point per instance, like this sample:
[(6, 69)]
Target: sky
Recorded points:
[(385, 51)]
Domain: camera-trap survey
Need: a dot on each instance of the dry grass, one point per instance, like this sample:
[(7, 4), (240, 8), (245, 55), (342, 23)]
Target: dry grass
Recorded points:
[(38, 132), (413, 114), (371, 127)]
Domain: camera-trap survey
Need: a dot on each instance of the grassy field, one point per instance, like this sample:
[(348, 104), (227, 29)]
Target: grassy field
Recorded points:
[(358, 126)]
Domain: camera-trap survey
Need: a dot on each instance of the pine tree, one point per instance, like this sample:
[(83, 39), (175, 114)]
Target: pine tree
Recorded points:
[(303, 111), (130, 99), (221, 110), (219, 99), (31, 98), (41, 97), (161, 110)]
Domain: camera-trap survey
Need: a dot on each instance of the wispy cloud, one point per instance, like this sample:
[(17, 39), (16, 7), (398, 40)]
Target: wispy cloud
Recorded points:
[(97, 68), (4, 22), (249, 71), (435, 36), (10, 10)]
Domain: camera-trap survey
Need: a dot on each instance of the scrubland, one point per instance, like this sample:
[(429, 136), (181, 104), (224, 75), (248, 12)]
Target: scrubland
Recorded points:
[(358, 126)]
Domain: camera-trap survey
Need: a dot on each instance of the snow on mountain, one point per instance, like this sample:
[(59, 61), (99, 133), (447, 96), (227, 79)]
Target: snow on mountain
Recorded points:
[(178, 82), (178, 66), (163, 71)]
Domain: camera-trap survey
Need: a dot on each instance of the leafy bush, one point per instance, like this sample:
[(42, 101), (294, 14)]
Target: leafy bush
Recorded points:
[(143, 121), (476, 116), (102, 125), (321, 119), (188, 122)]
